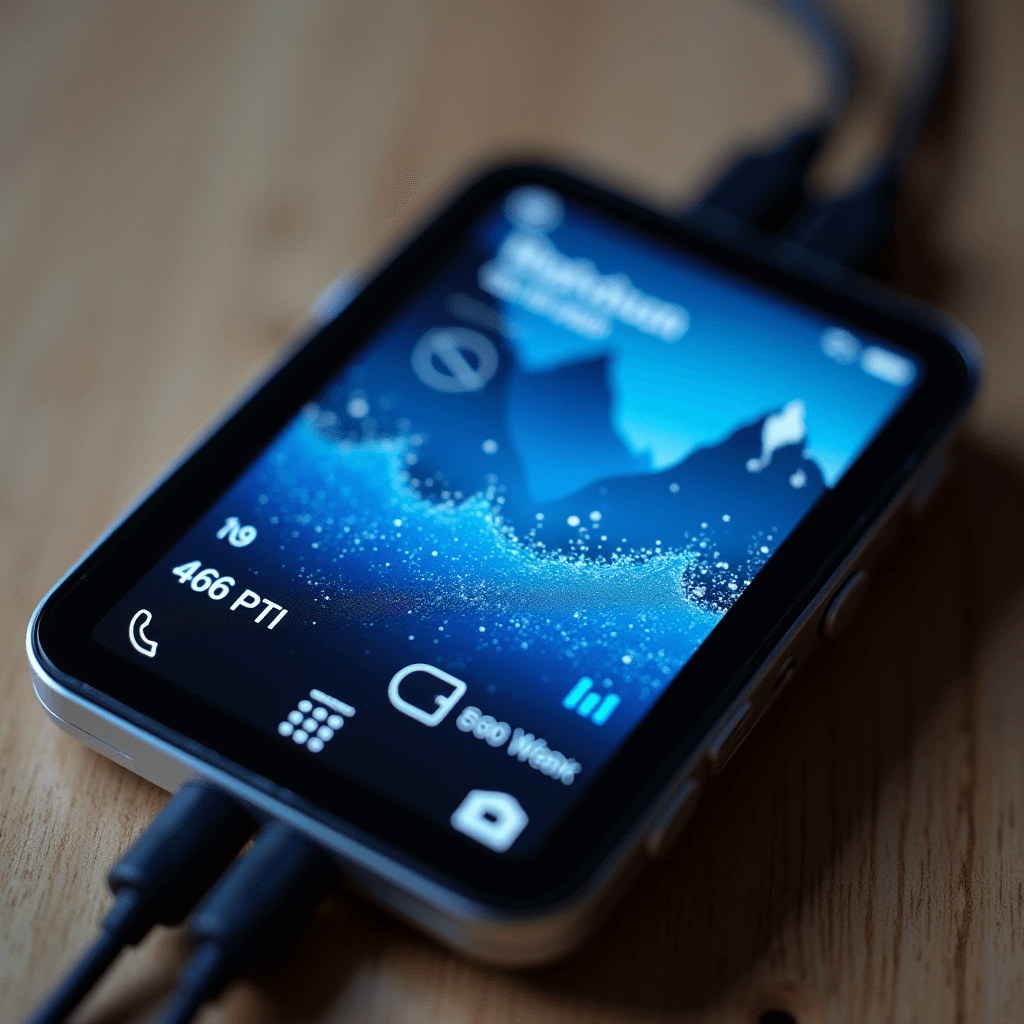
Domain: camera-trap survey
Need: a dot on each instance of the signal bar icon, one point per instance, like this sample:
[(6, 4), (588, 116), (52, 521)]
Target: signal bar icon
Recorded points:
[(584, 703)]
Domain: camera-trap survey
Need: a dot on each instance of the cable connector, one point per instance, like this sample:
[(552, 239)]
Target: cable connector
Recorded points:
[(158, 881), (253, 918), (852, 229), (762, 188)]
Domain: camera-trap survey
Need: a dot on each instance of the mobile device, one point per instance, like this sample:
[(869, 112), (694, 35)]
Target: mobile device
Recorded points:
[(483, 585)]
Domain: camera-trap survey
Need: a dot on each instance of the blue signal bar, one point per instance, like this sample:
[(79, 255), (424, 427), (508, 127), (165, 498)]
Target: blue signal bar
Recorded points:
[(590, 705), (576, 694), (608, 705)]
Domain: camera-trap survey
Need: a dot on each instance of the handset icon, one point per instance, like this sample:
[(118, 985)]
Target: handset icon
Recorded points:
[(137, 633)]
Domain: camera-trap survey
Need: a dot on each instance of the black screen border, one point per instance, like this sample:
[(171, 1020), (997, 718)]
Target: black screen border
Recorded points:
[(703, 689)]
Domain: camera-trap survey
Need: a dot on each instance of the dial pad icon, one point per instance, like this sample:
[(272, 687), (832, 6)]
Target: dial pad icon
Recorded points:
[(315, 721)]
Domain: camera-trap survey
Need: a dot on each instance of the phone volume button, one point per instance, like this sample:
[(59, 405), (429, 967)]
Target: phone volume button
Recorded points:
[(671, 817), (844, 605), (785, 674), (731, 735)]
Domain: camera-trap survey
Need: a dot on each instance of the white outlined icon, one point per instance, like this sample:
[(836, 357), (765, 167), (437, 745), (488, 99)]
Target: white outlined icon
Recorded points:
[(491, 818), (444, 702), (137, 633), (454, 360), (840, 345)]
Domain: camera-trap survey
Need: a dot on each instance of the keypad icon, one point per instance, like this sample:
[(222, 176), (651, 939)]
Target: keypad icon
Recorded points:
[(316, 720)]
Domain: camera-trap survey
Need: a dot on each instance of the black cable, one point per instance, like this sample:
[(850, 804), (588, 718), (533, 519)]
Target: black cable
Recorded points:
[(853, 228), (158, 881), (762, 188), (253, 918), (832, 46), (766, 190)]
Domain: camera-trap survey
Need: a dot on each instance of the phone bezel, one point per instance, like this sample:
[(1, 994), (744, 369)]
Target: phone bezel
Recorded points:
[(707, 684)]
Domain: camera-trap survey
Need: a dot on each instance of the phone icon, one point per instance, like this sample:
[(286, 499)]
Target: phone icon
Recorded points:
[(137, 633), (444, 702)]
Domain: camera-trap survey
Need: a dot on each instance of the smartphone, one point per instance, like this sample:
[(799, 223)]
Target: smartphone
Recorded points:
[(484, 584)]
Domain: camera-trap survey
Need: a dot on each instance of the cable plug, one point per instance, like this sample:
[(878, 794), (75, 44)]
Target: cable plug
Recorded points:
[(158, 881), (852, 229), (253, 918), (760, 189)]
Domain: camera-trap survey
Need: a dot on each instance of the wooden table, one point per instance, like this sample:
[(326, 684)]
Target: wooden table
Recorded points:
[(178, 180)]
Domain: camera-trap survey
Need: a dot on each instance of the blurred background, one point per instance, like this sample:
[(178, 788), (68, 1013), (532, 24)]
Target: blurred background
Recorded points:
[(177, 183)]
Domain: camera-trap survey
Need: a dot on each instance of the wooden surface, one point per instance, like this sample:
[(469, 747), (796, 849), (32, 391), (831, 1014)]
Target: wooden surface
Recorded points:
[(178, 180)]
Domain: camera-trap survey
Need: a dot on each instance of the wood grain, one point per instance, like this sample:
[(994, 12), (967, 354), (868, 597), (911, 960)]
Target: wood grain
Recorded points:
[(178, 180)]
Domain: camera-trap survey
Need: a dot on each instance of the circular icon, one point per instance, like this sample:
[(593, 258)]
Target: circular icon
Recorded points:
[(533, 208), (454, 360), (840, 345)]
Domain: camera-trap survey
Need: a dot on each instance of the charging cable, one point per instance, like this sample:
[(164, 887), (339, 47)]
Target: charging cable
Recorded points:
[(253, 918), (158, 881), (853, 228), (763, 188)]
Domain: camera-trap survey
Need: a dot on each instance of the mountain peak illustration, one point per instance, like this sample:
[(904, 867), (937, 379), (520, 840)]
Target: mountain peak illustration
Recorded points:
[(560, 425)]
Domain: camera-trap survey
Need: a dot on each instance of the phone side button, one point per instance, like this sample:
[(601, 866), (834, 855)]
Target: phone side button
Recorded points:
[(844, 605), (671, 818), (731, 735), (786, 672)]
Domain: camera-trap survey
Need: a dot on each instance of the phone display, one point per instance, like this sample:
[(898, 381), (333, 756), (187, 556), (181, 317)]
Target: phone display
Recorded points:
[(474, 561)]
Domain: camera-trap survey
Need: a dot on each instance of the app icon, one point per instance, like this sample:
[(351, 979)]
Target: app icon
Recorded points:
[(491, 818), (315, 722), (137, 633), (454, 360), (444, 702), (533, 208), (590, 705)]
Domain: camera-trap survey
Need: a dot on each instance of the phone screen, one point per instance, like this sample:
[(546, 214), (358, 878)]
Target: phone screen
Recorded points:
[(472, 563)]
